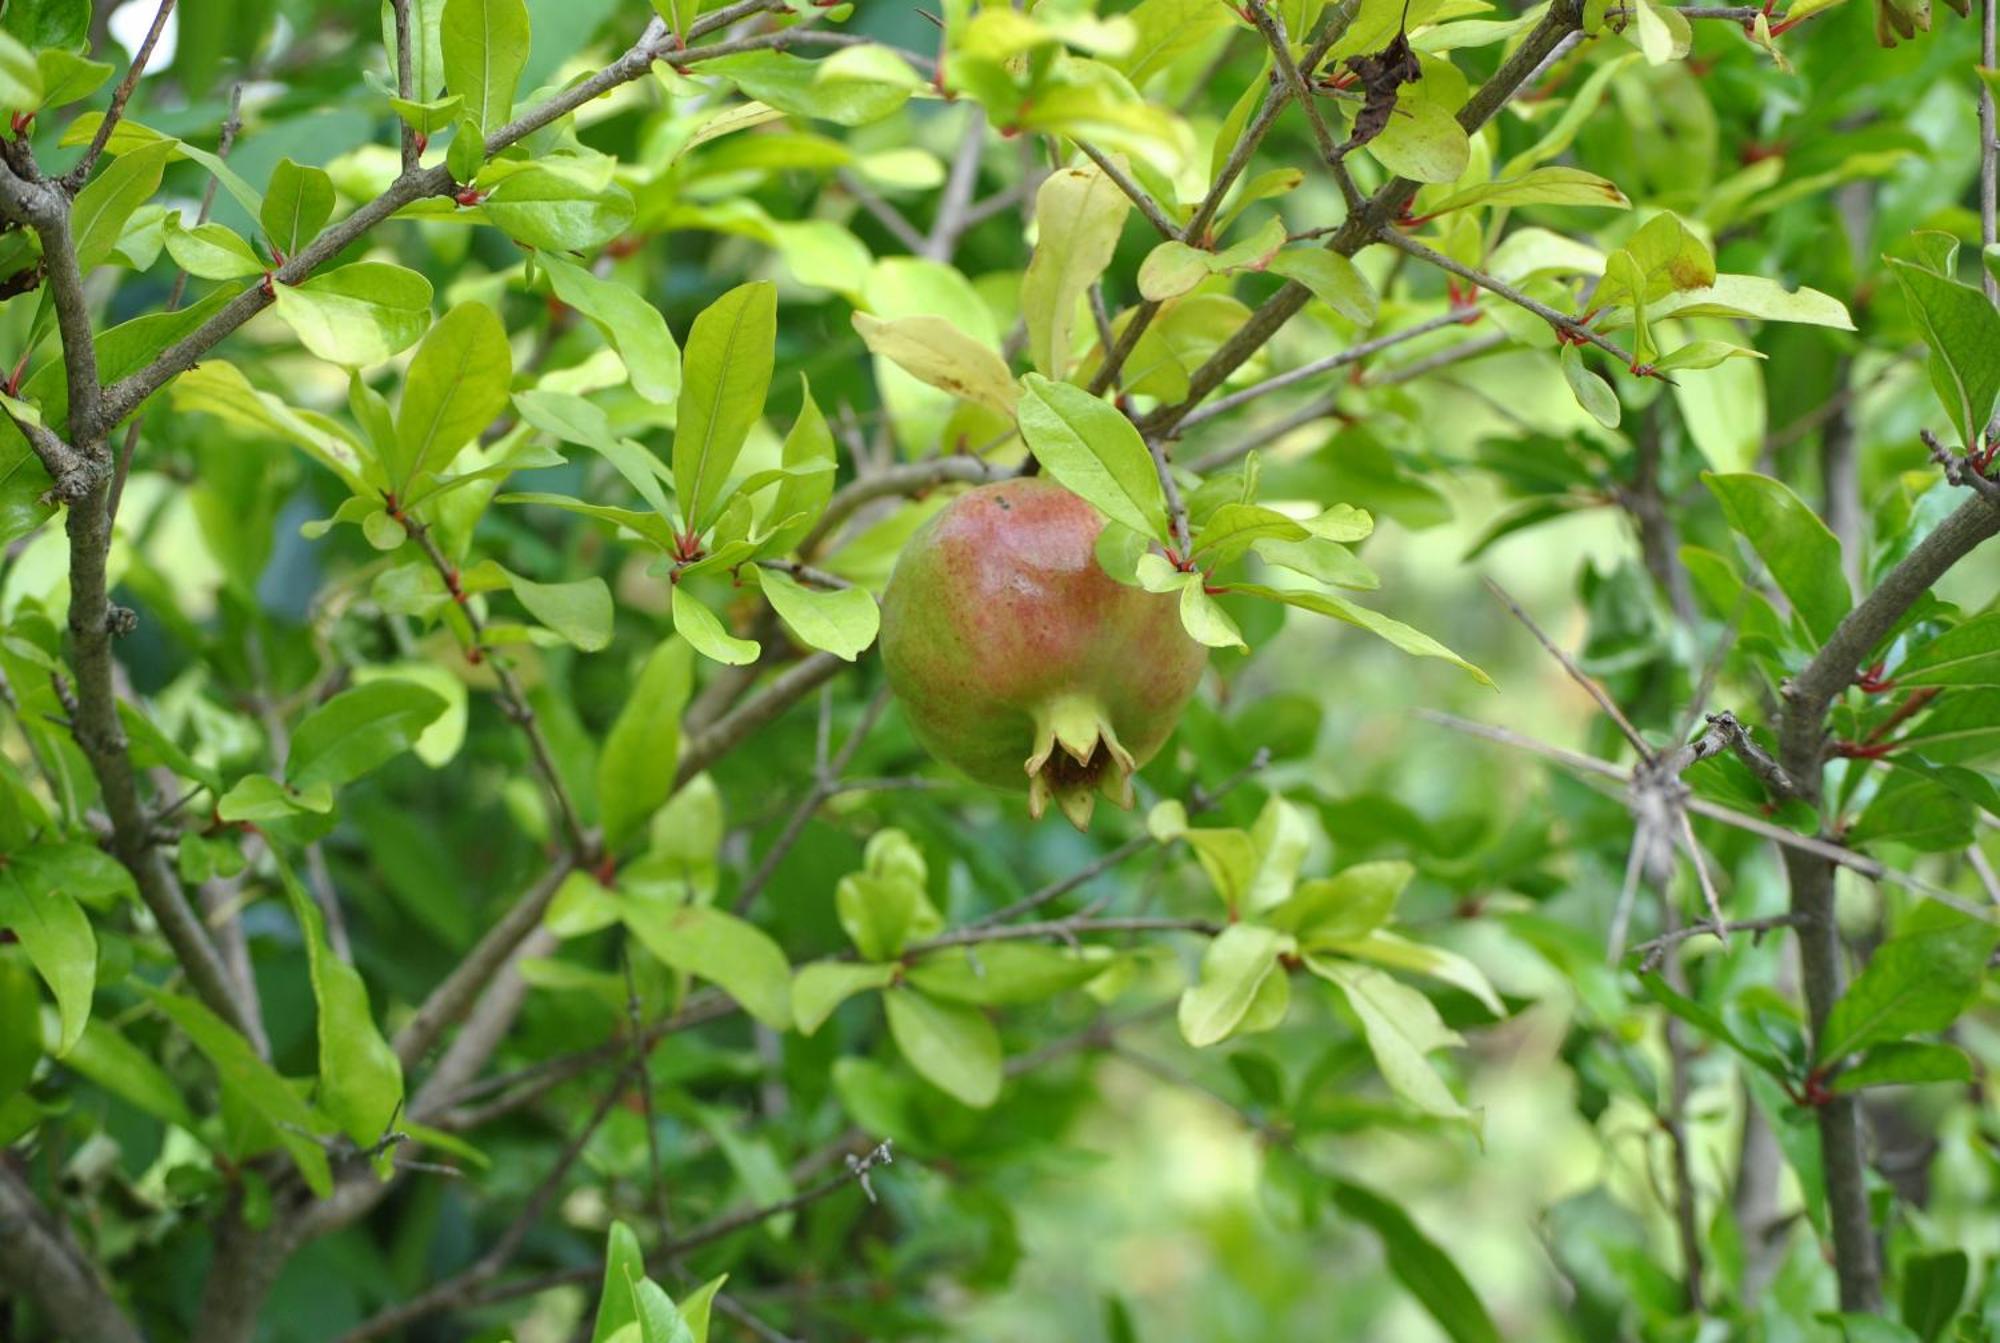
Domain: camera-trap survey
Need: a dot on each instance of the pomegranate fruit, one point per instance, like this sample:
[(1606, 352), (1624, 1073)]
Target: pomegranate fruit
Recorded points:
[(1018, 660)]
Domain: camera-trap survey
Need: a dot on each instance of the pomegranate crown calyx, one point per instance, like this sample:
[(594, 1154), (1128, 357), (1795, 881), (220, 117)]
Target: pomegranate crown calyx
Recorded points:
[(1077, 757)]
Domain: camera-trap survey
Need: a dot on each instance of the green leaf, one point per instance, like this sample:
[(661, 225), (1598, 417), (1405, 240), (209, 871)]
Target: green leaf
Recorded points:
[(1349, 905), (1801, 552), (1702, 354), (633, 327), (1401, 1026), (794, 85), (358, 730), (805, 488), (1079, 213), (1003, 974), (726, 372), (429, 118), (1229, 856), (1551, 185), (1423, 141), (1233, 528), (1592, 392), (1093, 451), (1316, 557), (297, 204), (697, 1305), (1933, 1288), (55, 932), (455, 387), (635, 771), (679, 14), (250, 1080), (437, 744), (426, 53), (883, 906), (1402, 954), (1755, 296), (1661, 34), (658, 1321), (1173, 268), (98, 216), (579, 611), (1203, 617), (842, 622), (820, 988), (951, 1046), (1333, 279), (1411, 641), (1233, 970), (736, 956), (1859, 1328), (1963, 330), (360, 1079), (484, 47), (109, 1060), (1917, 982), (258, 797), (20, 76), (220, 389), (624, 1263), (1960, 728), (1965, 655), (553, 212), (704, 631), (24, 1023), (210, 251), (49, 23), (1424, 1269), (1902, 1063), (359, 314)]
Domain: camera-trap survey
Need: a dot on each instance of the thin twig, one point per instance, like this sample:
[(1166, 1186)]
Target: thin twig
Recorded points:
[(955, 204), (1562, 322), (1137, 194), (1648, 950), (1353, 354), (1575, 673), (825, 784), (74, 179), (885, 214)]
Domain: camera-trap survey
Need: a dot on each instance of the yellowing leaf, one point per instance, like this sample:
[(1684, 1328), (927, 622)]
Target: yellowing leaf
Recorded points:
[(1079, 213), (934, 351)]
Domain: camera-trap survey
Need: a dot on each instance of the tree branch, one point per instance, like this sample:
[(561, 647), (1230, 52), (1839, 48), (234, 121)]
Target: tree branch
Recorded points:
[(38, 1260), (95, 723), (405, 81), (909, 478), (1364, 226), (1808, 696), (124, 396)]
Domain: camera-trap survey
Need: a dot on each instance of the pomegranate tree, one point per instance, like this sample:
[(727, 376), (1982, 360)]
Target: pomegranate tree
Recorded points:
[(1018, 660)]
